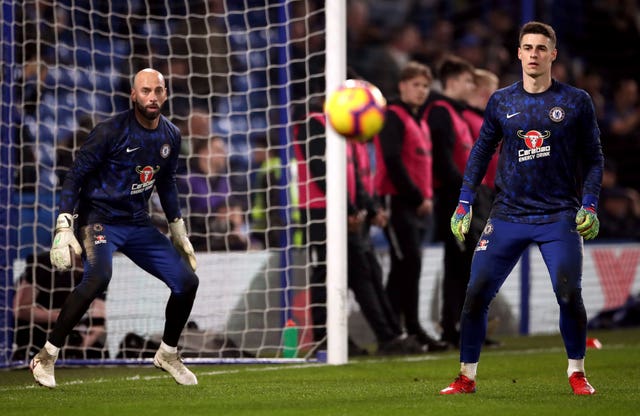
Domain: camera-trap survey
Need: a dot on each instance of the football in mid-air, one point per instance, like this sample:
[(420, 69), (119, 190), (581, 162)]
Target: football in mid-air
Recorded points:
[(356, 110)]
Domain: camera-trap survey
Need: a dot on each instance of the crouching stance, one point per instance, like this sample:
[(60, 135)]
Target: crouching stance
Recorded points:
[(105, 195)]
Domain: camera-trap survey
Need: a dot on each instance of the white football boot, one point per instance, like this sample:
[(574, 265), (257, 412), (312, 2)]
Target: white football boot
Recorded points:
[(42, 366), (172, 363)]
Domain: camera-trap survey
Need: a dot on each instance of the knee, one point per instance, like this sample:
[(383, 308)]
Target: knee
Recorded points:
[(477, 300), (188, 283), (95, 282), (566, 290), (473, 306), (568, 295), (192, 283)]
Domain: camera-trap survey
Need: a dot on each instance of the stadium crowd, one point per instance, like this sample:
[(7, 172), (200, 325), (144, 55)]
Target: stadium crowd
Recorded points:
[(225, 80), (65, 72)]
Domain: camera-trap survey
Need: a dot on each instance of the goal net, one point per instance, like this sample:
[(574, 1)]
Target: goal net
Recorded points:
[(237, 70)]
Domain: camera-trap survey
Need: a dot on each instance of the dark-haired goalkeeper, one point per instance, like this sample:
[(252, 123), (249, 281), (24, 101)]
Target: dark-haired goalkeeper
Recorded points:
[(106, 195), (548, 184)]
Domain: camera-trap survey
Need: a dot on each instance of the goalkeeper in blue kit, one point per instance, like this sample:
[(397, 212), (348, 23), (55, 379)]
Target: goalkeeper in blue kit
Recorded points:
[(106, 195), (548, 184)]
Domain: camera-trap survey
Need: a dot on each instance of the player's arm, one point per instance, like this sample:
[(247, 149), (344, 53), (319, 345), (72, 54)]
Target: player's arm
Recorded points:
[(592, 157), (476, 167), (168, 194), (391, 139), (88, 159), (166, 182), (587, 223)]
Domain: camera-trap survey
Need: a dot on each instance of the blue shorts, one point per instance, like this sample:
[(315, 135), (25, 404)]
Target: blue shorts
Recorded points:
[(145, 245), (498, 250), (502, 243)]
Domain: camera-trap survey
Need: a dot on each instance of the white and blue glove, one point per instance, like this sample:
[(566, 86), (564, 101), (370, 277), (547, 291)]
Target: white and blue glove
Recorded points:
[(181, 242), (587, 222), (461, 218), (64, 240)]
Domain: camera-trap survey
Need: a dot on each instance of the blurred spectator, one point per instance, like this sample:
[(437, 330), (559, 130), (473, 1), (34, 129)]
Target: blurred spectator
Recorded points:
[(591, 81), (561, 71), (215, 219), (362, 36), (28, 146), (310, 146), (194, 126), (452, 141), (438, 42), (619, 214), (502, 41), (306, 49), (486, 83), (40, 294), (621, 131), (363, 267), (612, 38), (181, 100), (66, 148), (387, 61), (472, 46), (271, 207), (622, 115), (404, 179), (200, 42), (230, 231), (388, 15), (619, 211)]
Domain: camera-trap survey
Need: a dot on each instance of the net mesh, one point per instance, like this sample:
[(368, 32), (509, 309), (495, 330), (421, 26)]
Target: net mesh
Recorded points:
[(244, 71), (234, 72)]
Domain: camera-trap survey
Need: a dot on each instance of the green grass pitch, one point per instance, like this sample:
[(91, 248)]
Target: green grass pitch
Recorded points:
[(526, 376)]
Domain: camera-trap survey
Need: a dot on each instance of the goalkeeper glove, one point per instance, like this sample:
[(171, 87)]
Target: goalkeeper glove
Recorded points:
[(181, 241), (63, 242), (587, 222), (461, 218)]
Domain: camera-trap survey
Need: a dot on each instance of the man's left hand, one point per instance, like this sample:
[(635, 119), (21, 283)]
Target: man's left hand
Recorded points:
[(587, 222), (181, 242)]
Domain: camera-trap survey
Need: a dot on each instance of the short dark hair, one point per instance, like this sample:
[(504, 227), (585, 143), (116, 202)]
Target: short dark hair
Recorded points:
[(414, 69), (452, 66), (538, 28)]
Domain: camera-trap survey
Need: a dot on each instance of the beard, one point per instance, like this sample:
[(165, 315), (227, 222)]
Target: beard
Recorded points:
[(147, 113)]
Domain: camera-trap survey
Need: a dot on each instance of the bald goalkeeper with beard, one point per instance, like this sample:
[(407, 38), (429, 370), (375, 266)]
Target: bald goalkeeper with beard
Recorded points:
[(105, 195)]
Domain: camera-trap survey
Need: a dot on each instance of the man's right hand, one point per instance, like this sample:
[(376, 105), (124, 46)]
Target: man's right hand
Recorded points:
[(64, 241), (461, 218)]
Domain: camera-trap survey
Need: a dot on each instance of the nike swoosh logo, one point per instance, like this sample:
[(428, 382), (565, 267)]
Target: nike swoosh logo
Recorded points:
[(132, 149), (512, 115)]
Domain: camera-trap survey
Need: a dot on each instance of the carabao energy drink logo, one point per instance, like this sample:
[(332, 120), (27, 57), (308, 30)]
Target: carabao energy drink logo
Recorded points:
[(534, 141), (146, 175)]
